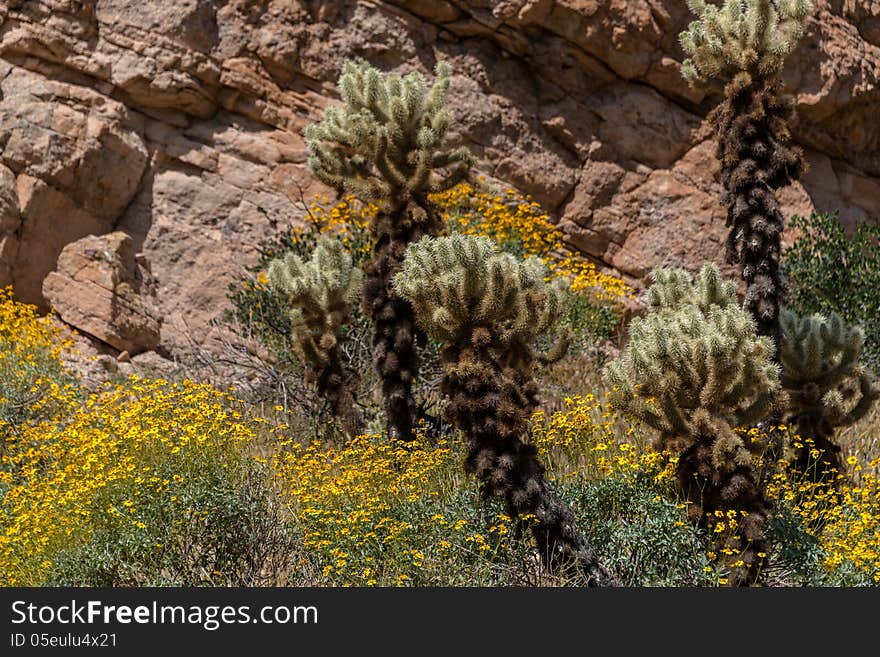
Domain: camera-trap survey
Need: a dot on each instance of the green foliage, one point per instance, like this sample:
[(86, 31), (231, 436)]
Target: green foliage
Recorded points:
[(641, 533), (386, 141), (224, 527), (752, 36), (589, 322), (833, 272), (694, 366)]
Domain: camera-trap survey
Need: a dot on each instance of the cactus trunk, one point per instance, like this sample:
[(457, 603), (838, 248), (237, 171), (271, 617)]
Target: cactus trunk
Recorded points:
[(394, 326), (492, 409), (717, 496), (752, 129)]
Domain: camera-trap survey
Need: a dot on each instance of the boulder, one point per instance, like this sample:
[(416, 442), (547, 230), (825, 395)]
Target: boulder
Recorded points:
[(102, 288)]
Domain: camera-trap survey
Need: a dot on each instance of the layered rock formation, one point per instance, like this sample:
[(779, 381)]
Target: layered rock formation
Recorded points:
[(104, 289), (180, 124)]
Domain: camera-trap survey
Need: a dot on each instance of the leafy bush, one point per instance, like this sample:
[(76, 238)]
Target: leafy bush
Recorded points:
[(641, 533), (830, 271), (825, 534), (34, 386), (148, 482)]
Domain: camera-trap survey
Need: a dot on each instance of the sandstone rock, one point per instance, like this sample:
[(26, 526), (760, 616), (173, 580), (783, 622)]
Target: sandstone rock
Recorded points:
[(76, 160), (100, 289), (181, 124), (10, 214)]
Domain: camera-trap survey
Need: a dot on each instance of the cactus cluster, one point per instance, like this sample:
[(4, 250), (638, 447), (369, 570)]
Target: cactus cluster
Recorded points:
[(699, 368), (743, 45), (753, 37), (386, 145), (487, 309), (320, 293), (695, 370), (386, 142), (826, 386)]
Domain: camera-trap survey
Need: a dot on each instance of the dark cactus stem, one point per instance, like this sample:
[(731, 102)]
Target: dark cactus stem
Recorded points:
[(819, 434), (394, 326), (708, 490), (752, 126), (334, 386), (491, 405), (329, 379)]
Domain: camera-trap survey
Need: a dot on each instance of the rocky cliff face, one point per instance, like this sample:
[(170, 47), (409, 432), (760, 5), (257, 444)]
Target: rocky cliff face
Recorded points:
[(180, 124)]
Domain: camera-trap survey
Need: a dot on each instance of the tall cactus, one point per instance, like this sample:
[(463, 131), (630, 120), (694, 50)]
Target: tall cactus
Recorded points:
[(386, 145), (695, 370), (826, 385), (487, 309), (742, 45), (321, 292)]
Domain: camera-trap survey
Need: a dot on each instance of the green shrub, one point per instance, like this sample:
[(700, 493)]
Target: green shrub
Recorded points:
[(35, 386), (830, 271), (641, 533), (222, 527)]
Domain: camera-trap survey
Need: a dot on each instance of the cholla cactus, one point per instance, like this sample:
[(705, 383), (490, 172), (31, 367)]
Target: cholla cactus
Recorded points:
[(825, 384), (487, 309), (386, 141), (460, 281), (386, 145), (320, 293), (743, 45), (695, 370), (753, 36)]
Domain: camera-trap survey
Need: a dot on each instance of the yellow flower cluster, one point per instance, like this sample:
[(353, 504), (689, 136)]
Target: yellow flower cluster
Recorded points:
[(514, 221), (117, 438), (24, 334), (33, 384), (845, 518), (588, 436), (363, 499), (347, 218), (519, 222)]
